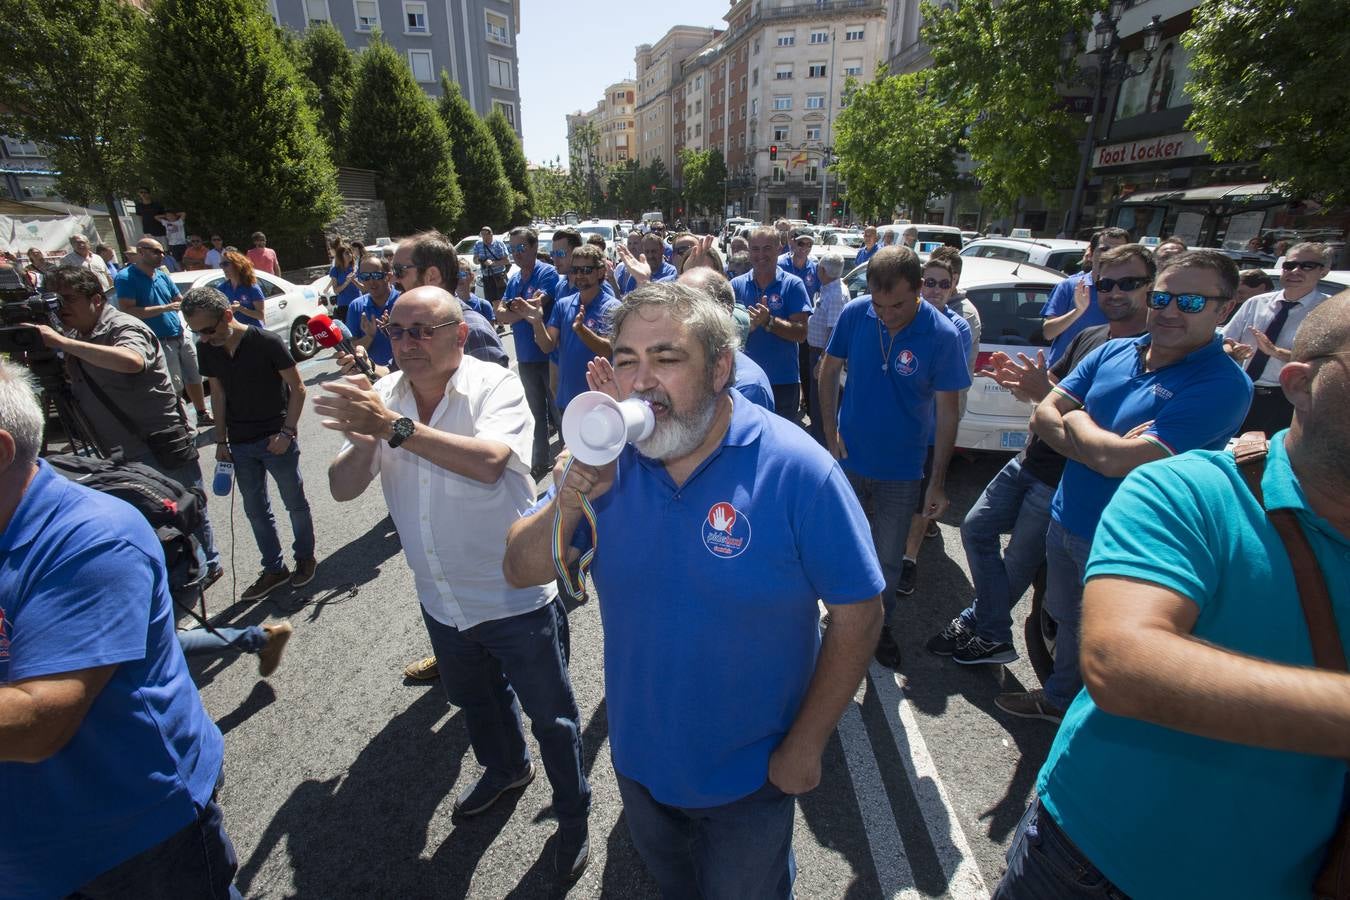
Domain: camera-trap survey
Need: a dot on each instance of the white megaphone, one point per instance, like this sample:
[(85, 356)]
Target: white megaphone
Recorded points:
[(595, 426)]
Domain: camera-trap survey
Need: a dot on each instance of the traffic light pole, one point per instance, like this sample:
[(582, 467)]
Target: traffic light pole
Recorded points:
[(829, 121)]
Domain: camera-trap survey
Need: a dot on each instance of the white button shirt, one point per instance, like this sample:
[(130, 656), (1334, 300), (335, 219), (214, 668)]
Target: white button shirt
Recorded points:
[(453, 528), (1258, 311)]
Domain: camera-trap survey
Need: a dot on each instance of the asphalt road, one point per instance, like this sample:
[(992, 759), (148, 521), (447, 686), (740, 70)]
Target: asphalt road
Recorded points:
[(340, 776)]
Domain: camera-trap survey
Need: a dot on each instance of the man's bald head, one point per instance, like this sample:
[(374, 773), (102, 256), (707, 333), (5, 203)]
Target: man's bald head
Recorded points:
[(712, 283), (1326, 330)]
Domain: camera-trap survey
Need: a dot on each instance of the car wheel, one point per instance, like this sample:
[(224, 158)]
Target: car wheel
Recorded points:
[(1040, 629), (303, 344)]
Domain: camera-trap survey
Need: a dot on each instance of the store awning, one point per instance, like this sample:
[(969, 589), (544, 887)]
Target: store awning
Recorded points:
[(1215, 193)]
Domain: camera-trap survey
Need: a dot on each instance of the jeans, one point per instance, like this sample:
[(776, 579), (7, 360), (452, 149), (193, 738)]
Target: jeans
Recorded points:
[(253, 462), (889, 507), (1015, 502), (787, 400), (817, 429), (740, 849), (1066, 557), (485, 668), (198, 861), (200, 642), (1043, 862), (534, 377), (190, 476)]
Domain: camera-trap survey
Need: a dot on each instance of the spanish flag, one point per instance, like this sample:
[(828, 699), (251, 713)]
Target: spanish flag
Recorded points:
[(797, 160)]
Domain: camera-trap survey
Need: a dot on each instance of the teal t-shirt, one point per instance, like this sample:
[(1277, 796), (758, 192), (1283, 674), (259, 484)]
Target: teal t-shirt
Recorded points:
[(1166, 814)]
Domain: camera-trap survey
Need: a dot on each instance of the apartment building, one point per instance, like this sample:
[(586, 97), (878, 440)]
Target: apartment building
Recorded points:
[(474, 41), (614, 127), (658, 68)]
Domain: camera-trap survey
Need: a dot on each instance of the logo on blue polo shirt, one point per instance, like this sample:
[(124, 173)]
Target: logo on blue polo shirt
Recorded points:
[(1162, 392), (726, 531), (906, 363), (4, 635), (773, 301)]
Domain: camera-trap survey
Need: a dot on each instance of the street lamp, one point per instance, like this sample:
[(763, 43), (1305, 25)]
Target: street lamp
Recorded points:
[(1112, 68)]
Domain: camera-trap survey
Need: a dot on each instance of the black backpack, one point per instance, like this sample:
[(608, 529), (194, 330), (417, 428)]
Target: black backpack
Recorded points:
[(174, 511)]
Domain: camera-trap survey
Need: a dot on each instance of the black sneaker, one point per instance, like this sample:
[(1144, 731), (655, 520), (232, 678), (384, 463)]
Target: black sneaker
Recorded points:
[(572, 851), (887, 652), (1029, 705), (976, 651), (480, 795), (267, 583), (909, 574), (946, 641)]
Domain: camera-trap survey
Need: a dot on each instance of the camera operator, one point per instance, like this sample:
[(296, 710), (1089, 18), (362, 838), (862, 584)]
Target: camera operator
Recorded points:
[(121, 381)]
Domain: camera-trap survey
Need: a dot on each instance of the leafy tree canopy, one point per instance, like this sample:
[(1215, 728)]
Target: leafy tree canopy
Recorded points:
[(329, 67), (489, 198), (513, 163)]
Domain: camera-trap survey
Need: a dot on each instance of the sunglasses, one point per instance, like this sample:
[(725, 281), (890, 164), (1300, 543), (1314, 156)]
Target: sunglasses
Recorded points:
[(370, 276), (1306, 265), (416, 332), (1187, 303), (519, 248), (556, 254), (1131, 283), (195, 241), (212, 330), (585, 270), (681, 251), (934, 283), (400, 268)]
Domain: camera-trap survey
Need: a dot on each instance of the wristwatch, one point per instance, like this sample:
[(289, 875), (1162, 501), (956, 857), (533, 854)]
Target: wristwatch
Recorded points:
[(403, 429)]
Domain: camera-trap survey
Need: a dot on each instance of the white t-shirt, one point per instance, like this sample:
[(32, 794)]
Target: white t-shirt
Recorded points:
[(175, 232)]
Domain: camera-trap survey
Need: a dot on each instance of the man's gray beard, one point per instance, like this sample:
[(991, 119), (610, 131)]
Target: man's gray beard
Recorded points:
[(680, 435)]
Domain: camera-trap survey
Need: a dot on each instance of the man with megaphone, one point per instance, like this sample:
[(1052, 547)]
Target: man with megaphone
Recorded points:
[(715, 534)]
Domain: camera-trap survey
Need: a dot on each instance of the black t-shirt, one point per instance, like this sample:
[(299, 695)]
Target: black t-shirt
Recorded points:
[(149, 224), (1039, 458), (255, 393)]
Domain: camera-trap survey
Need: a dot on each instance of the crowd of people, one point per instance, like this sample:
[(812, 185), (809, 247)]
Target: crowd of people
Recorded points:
[(799, 453)]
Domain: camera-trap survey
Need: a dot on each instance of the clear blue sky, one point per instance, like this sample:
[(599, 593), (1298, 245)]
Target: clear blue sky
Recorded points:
[(563, 69)]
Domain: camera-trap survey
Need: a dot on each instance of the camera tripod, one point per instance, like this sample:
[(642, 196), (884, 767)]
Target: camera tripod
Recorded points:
[(58, 400)]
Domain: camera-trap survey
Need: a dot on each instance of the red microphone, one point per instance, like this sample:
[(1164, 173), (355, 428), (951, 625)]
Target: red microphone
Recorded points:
[(334, 334)]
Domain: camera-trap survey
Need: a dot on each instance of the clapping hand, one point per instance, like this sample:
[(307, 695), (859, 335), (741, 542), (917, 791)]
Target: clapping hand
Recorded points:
[(1082, 296), (759, 316), (636, 265), (1028, 379)]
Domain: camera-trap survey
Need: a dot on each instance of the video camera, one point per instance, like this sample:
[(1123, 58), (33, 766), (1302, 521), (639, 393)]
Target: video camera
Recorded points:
[(21, 306)]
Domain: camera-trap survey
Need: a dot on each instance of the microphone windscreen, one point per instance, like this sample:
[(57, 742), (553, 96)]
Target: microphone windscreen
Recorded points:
[(342, 329), (324, 331)]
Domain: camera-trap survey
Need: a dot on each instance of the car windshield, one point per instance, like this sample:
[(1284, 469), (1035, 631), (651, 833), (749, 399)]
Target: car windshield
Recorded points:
[(603, 230), (1011, 315)]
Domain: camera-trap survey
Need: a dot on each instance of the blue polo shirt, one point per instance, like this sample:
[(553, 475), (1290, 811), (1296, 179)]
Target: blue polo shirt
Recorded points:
[(1196, 403), (752, 383), (543, 277), (806, 273), (478, 305), (628, 284), (864, 254), (886, 415), (573, 354), (1060, 302), (246, 295), (1191, 525), (145, 290), (492, 258), (706, 666), (380, 350), (785, 296), (350, 292), (83, 585)]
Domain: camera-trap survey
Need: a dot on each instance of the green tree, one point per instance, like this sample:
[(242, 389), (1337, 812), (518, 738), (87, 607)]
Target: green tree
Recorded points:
[(553, 190), (653, 188), (228, 133), (513, 163), (70, 79), (1268, 83), (329, 68), (586, 172), (394, 130), (489, 198), (705, 175), (897, 145), (998, 62)]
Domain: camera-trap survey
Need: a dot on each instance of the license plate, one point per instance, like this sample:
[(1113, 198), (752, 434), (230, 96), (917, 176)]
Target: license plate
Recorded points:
[(1012, 440)]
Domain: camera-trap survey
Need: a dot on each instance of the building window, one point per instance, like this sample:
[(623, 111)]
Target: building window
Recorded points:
[(787, 38), (820, 37), (316, 12), (754, 106), (508, 110), (698, 106), (813, 133), (499, 72), (815, 101), (14, 147), (415, 17), (815, 70), (754, 77), (780, 133), (698, 129), (742, 84), (367, 15), (498, 29), (422, 69), (781, 103), (853, 33), (782, 72), (812, 173), (779, 174), (853, 67), (757, 46)]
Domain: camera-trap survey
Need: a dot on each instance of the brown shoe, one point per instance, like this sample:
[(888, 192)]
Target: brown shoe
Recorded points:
[(269, 657), (304, 572), (422, 670), (267, 583)]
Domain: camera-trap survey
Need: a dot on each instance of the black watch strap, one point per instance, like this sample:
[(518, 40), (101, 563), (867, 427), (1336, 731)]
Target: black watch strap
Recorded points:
[(403, 429)]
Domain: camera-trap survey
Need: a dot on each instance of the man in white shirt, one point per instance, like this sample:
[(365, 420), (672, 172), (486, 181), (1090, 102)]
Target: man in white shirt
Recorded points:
[(1261, 333), (450, 438), (82, 255)]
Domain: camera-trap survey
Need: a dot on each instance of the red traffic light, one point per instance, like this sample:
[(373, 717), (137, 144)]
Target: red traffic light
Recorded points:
[(773, 151)]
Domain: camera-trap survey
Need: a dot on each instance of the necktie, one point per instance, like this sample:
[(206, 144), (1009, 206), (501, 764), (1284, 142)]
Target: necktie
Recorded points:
[(1256, 366)]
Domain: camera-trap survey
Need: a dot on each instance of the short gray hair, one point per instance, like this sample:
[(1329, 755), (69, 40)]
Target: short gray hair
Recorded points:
[(20, 411), (832, 264), (708, 323), (204, 299), (1322, 250)]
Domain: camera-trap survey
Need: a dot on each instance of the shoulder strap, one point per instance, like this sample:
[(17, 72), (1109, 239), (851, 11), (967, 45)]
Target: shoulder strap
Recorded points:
[(107, 401), (1328, 653)]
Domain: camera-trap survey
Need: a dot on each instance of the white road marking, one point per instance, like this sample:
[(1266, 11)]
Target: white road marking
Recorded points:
[(964, 881)]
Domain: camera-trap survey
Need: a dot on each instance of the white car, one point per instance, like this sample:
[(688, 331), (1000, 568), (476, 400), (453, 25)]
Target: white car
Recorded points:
[(1009, 297), (607, 229), (289, 307), (930, 236), (1054, 253)]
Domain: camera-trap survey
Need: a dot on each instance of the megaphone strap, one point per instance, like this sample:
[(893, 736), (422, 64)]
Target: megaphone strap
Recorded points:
[(576, 589)]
